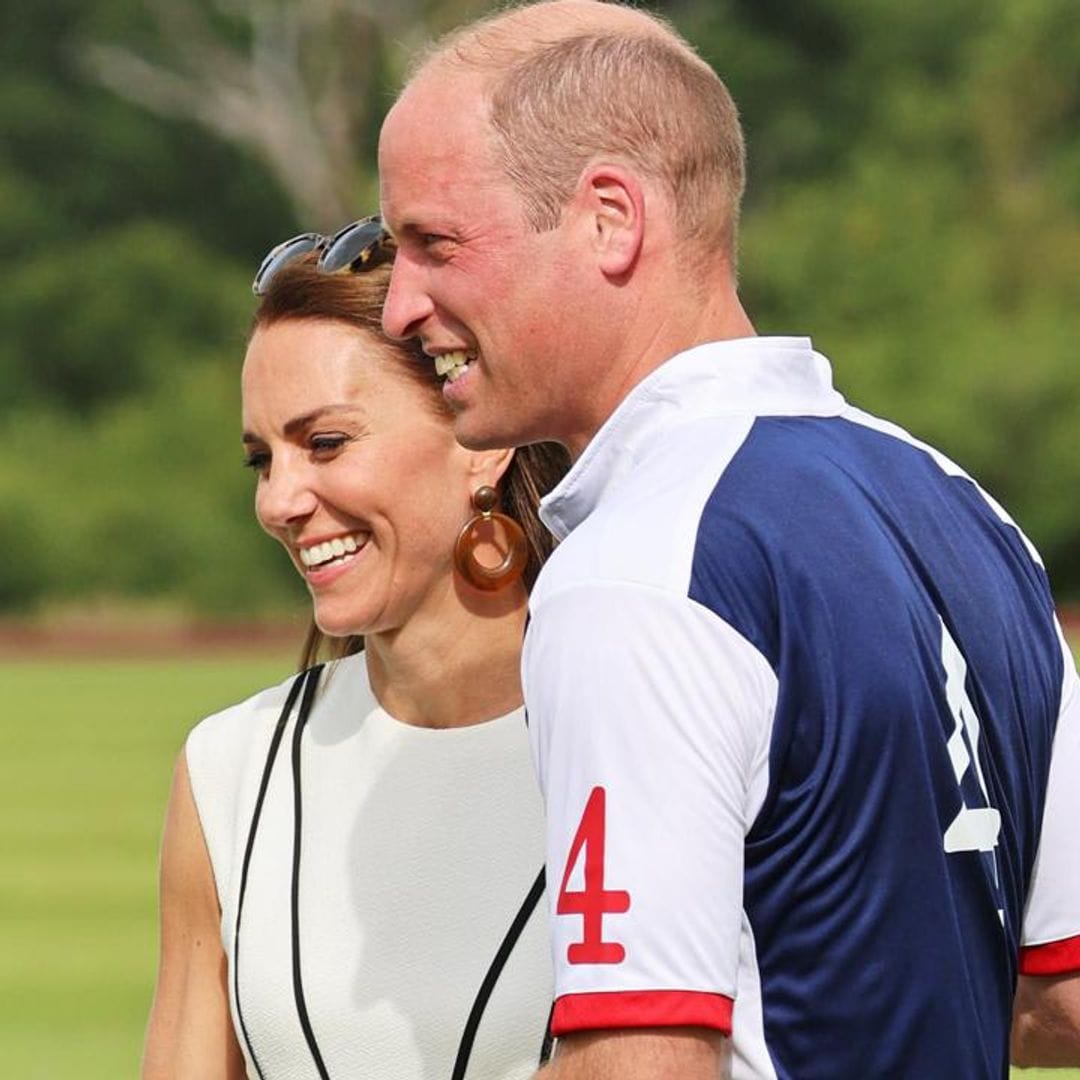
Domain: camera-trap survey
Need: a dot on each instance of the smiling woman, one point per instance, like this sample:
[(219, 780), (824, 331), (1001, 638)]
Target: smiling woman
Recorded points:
[(352, 860)]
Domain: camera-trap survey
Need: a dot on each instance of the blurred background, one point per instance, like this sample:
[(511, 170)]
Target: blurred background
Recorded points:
[(914, 205)]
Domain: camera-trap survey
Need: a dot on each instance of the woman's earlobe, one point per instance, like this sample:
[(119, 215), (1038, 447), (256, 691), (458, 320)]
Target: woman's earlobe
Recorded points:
[(489, 466)]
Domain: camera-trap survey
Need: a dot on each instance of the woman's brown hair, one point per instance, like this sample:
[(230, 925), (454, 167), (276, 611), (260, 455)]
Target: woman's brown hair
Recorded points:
[(301, 291)]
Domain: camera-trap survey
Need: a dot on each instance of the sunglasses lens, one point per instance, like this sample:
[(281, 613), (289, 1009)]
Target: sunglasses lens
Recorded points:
[(282, 255), (353, 246)]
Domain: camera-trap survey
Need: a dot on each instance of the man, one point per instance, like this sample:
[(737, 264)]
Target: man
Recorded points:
[(800, 707)]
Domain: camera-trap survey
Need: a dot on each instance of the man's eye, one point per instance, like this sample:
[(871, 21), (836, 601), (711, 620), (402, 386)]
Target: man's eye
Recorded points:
[(437, 244)]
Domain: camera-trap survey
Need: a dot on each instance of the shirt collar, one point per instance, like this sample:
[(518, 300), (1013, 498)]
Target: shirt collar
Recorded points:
[(759, 376)]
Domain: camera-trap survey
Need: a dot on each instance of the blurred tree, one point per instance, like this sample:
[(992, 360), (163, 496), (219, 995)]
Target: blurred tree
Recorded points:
[(293, 82), (145, 500), (105, 322), (304, 85), (76, 160), (117, 230), (914, 203)]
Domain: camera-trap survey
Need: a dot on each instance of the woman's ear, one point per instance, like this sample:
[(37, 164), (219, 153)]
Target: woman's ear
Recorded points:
[(487, 466)]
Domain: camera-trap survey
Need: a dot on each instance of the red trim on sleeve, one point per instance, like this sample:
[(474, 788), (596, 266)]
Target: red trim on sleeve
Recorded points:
[(1052, 958), (641, 1008)]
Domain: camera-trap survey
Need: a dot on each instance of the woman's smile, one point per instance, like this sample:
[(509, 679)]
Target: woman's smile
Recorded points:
[(316, 555), (325, 562)]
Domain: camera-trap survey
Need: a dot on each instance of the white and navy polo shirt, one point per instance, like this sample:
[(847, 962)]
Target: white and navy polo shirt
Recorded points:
[(806, 728)]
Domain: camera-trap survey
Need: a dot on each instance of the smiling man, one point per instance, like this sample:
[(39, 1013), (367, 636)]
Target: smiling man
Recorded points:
[(800, 705)]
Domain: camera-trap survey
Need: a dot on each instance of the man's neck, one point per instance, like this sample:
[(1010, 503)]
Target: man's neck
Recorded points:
[(652, 341)]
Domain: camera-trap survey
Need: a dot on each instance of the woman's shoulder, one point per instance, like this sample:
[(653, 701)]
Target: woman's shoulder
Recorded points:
[(240, 723), (226, 754), (237, 730)]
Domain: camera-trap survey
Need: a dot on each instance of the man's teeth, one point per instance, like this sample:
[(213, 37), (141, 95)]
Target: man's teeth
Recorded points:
[(331, 550), (452, 364)]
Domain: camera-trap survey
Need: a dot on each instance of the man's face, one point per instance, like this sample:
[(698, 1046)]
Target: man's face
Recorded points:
[(471, 278)]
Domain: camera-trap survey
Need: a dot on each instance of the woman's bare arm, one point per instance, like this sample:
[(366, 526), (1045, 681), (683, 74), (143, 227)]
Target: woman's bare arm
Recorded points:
[(190, 1032)]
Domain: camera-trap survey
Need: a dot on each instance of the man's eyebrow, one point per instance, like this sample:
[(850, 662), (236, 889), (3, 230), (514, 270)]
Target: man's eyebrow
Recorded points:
[(406, 228), (298, 423), (427, 223)]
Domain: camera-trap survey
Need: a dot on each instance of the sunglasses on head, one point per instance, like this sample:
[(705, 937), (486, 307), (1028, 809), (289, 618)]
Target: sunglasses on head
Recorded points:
[(358, 246)]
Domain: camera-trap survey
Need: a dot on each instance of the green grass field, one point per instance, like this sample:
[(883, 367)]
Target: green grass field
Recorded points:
[(86, 753)]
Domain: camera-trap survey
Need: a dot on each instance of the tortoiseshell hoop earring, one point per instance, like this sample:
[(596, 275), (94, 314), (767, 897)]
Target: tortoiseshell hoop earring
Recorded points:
[(483, 529)]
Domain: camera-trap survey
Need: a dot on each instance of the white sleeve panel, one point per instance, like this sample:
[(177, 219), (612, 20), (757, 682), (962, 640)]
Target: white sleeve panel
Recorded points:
[(653, 698), (1053, 905)]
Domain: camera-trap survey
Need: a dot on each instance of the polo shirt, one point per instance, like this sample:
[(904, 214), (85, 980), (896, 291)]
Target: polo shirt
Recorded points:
[(806, 728)]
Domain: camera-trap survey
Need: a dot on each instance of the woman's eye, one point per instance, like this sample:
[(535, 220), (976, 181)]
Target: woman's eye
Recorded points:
[(327, 444), (259, 460)]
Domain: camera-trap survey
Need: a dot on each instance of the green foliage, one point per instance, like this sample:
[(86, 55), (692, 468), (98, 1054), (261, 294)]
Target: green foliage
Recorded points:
[(80, 160), (129, 243), (914, 204), (146, 499), (107, 316)]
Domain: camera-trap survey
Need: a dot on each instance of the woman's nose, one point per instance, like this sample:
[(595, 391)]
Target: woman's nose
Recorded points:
[(284, 497)]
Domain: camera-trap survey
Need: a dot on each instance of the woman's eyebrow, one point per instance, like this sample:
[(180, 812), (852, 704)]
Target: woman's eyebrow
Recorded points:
[(299, 423)]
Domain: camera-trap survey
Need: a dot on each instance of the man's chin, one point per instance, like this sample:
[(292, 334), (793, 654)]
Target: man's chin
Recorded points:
[(473, 439), (474, 433)]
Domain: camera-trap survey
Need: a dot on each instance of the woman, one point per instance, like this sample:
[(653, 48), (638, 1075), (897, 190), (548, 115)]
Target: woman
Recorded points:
[(351, 860)]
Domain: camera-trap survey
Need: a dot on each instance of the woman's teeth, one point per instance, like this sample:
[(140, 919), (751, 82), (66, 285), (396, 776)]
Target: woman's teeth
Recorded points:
[(453, 364), (331, 550)]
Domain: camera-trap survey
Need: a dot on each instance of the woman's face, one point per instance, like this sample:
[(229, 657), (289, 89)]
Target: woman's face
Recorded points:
[(359, 477)]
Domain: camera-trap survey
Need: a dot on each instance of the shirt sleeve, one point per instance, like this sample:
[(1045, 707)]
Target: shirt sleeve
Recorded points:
[(1051, 937), (650, 721)]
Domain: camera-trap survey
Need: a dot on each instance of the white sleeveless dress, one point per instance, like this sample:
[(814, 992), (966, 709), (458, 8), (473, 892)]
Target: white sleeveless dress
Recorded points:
[(418, 849)]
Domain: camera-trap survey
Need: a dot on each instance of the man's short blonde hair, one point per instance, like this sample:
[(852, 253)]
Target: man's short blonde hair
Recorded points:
[(608, 82)]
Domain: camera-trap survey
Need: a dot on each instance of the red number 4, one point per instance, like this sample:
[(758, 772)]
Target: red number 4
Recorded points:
[(594, 901)]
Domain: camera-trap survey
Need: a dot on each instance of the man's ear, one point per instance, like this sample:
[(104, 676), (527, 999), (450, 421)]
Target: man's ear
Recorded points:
[(615, 205)]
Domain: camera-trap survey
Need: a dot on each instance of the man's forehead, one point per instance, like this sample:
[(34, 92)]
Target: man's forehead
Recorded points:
[(441, 100), (436, 135)]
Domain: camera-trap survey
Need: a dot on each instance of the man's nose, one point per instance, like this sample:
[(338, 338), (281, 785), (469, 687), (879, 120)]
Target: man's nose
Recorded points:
[(407, 304)]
